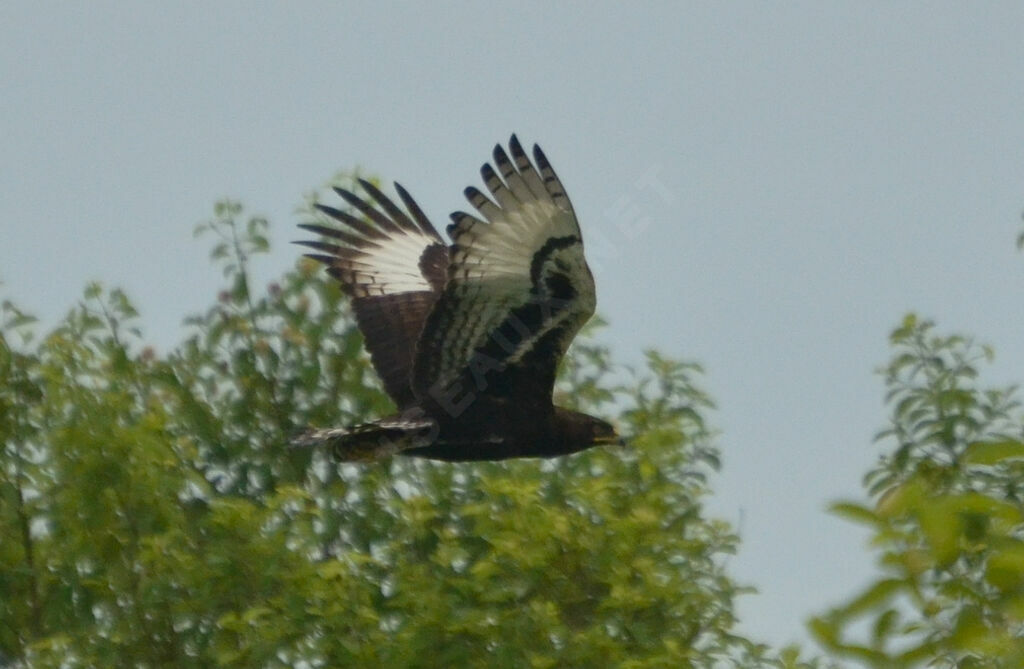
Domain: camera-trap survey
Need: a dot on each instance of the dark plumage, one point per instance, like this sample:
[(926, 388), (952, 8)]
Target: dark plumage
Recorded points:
[(466, 337)]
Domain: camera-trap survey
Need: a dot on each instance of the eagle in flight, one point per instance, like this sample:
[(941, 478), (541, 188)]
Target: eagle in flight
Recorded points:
[(466, 336)]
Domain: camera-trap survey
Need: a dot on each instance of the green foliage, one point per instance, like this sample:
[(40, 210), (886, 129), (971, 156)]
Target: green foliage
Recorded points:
[(153, 515), (948, 517)]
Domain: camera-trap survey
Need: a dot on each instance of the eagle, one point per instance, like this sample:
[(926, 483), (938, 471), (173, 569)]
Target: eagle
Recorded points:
[(466, 337)]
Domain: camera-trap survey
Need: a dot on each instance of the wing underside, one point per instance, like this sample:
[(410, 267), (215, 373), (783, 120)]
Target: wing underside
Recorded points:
[(393, 264), (518, 288)]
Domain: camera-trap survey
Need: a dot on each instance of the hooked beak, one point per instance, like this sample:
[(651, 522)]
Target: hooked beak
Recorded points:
[(613, 439)]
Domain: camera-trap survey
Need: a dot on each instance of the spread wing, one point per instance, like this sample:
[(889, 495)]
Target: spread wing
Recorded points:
[(394, 265), (518, 289)]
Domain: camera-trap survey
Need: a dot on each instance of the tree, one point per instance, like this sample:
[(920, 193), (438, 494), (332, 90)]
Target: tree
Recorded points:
[(948, 518), (153, 515)]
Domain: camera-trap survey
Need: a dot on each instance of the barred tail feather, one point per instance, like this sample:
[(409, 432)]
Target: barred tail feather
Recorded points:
[(372, 441)]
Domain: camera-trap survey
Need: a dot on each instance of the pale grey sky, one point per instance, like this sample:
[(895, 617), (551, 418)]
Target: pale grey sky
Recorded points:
[(763, 187)]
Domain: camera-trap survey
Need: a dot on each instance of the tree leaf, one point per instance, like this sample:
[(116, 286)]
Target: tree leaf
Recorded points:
[(993, 452)]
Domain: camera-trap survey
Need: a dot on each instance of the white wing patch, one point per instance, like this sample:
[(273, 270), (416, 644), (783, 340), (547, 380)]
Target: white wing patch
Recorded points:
[(507, 244), (382, 253), (386, 266)]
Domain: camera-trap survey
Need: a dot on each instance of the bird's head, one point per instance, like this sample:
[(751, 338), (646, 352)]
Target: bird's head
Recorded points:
[(605, 434), (579, 431)]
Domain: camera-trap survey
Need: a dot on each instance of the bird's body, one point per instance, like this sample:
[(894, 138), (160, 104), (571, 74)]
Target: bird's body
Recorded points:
[(466, 337)]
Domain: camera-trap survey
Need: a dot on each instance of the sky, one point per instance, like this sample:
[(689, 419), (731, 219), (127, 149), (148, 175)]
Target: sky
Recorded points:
[(764, 188)]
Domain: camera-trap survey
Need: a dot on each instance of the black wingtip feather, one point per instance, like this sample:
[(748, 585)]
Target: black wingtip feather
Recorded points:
[(460, 221), (336, 214), (368, 210), (362, 227), (333, 249), (418, 216), (501, 158), (395, 215), (321, 229), (371, 190), (542, 160), (375, 192), (482, 203), (515, 147), (350, 197), (334, 233), (327, 260)]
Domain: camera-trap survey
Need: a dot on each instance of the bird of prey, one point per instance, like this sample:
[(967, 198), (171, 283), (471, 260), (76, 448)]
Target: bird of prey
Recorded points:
[(466, 336)]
